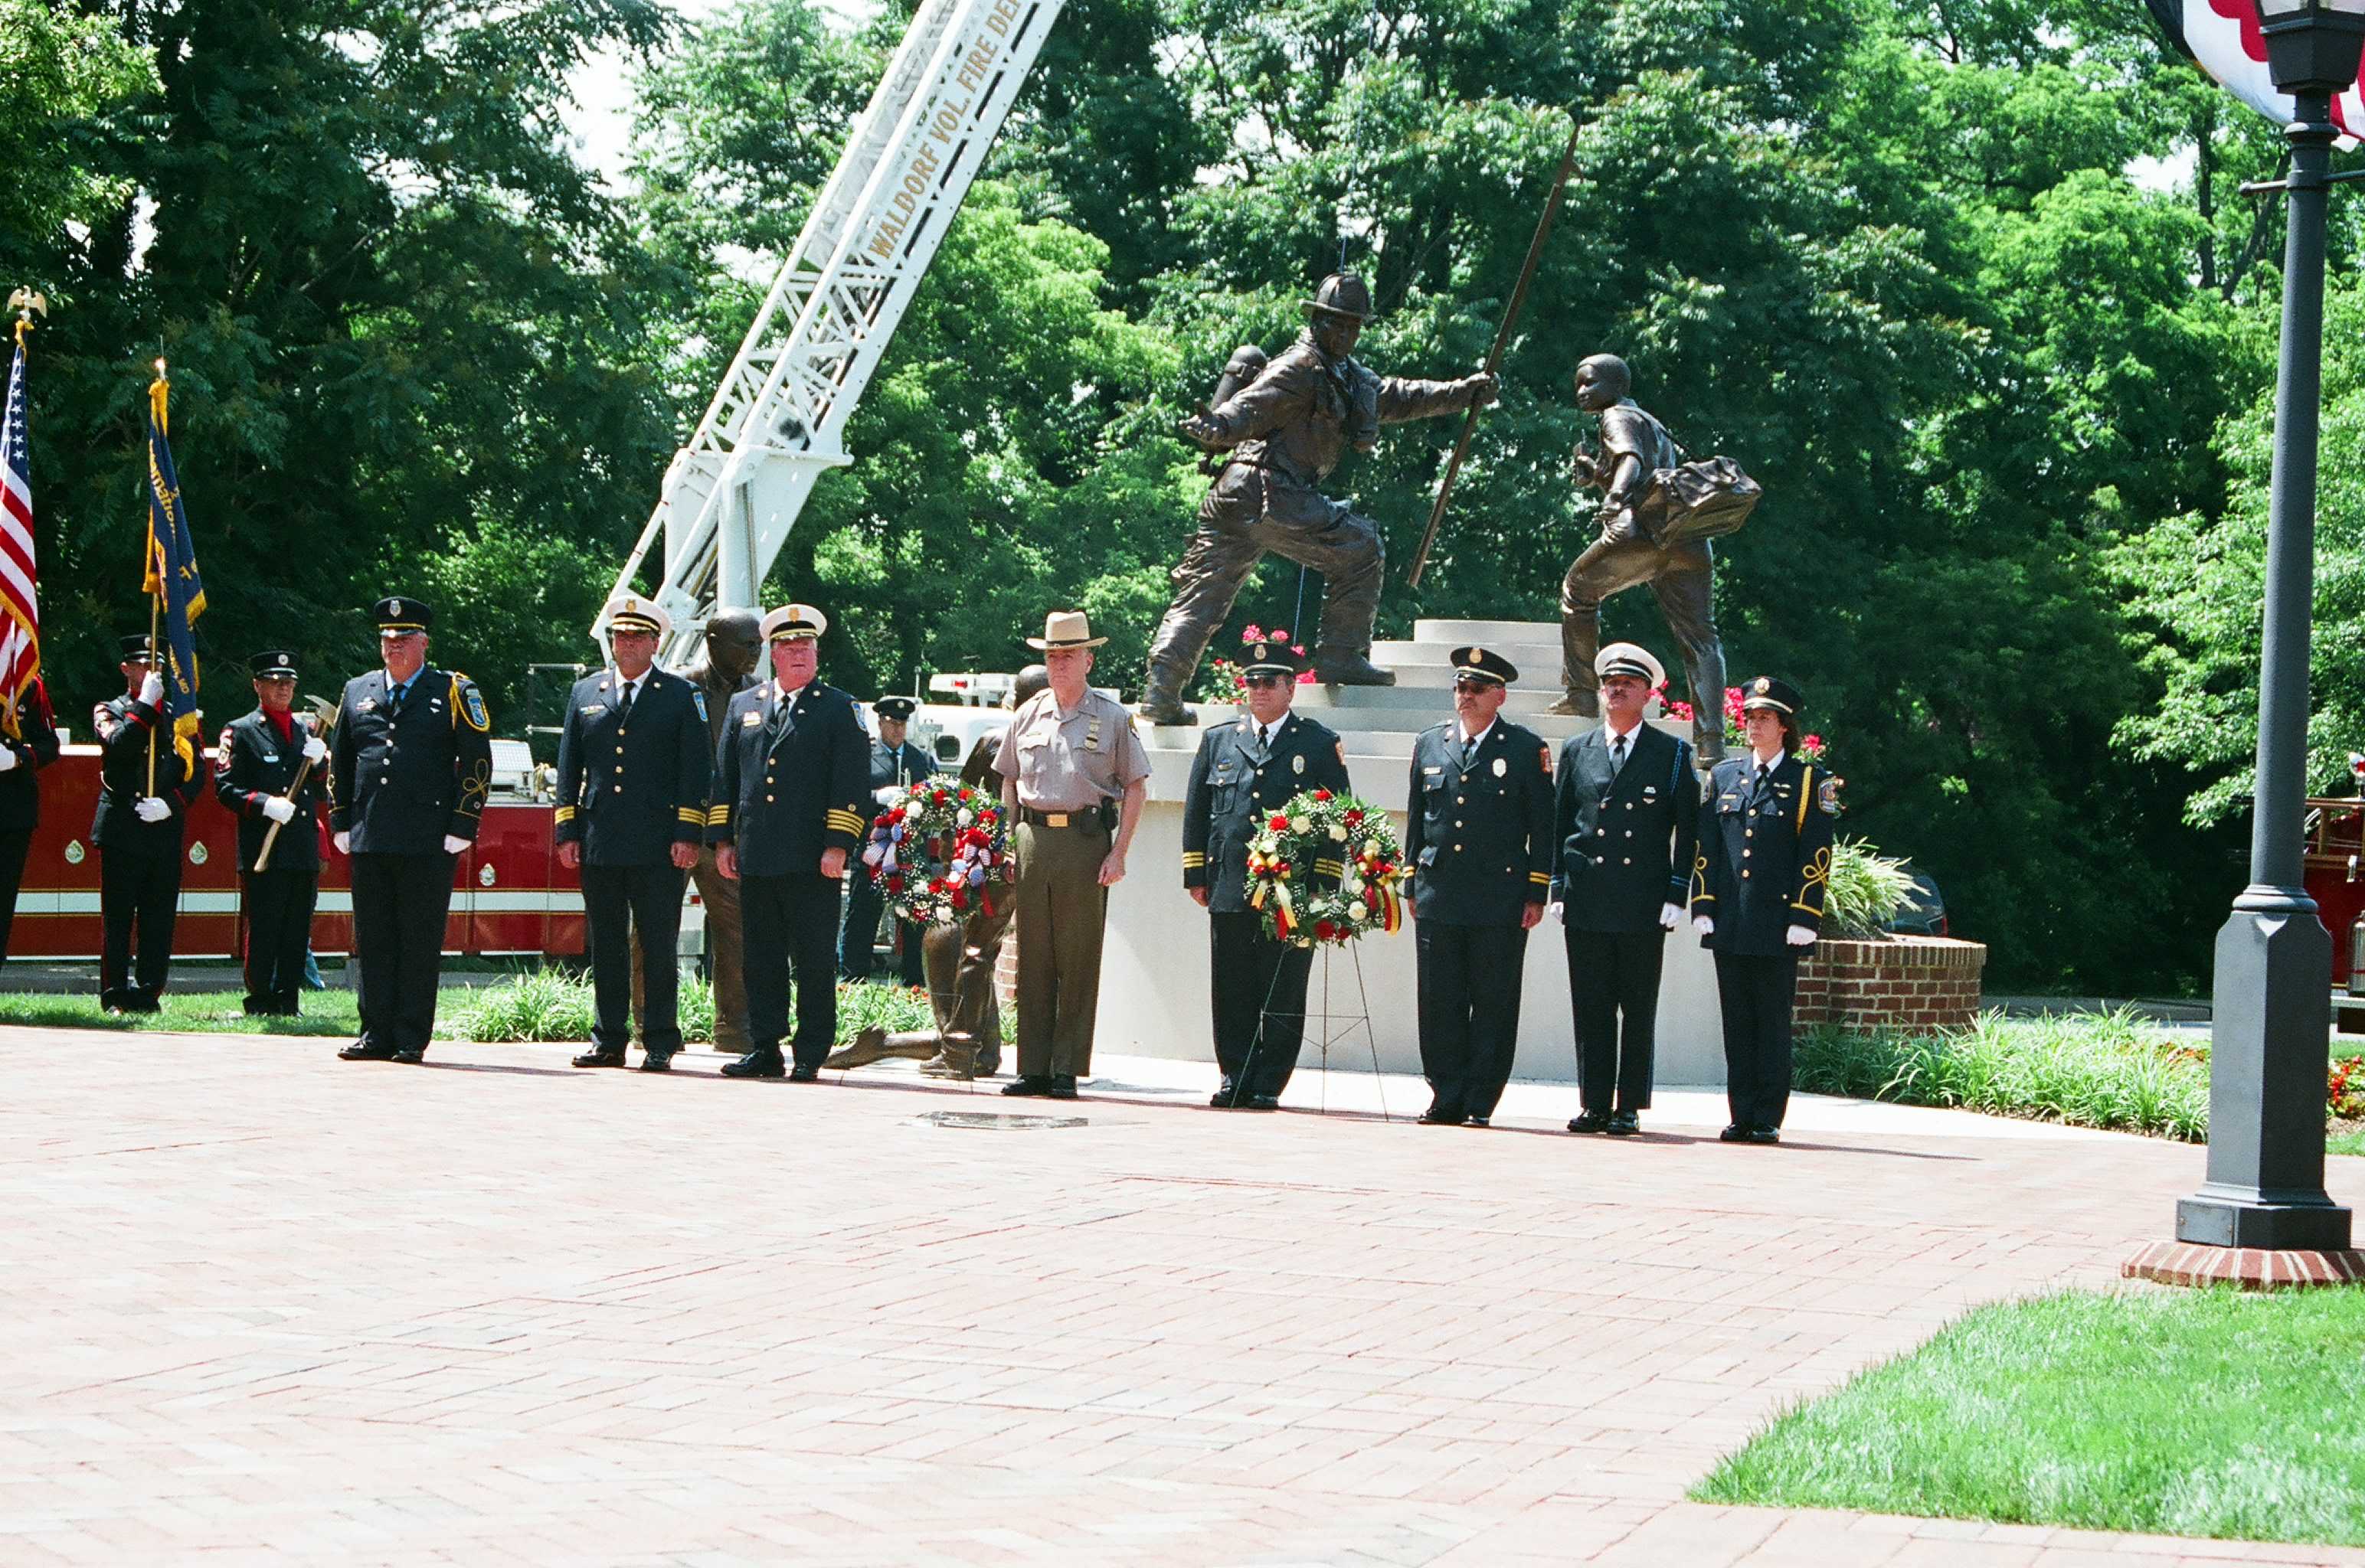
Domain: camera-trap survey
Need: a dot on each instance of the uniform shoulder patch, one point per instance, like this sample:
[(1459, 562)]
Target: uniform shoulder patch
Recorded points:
[(1827, 795), (470, 703)]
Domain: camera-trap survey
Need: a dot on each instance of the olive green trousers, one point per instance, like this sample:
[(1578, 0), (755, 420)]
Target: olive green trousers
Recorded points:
[(1062, 912)]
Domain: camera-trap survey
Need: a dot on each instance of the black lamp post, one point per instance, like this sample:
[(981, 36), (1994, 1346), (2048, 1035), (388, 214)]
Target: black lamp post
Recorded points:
[(2265, 1186)]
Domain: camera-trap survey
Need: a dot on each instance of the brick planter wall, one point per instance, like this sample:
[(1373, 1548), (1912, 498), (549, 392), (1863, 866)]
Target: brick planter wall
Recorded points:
[(1907, 982)]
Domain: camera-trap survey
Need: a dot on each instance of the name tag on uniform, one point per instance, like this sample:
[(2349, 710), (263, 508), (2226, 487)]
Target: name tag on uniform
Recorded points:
[(1648, 791), (1432, 770), (593, 708), (750, 720), (270, 756), (366, 703)]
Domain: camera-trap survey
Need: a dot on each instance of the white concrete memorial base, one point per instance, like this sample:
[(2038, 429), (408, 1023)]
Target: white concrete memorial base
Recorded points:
[(1154, 967)]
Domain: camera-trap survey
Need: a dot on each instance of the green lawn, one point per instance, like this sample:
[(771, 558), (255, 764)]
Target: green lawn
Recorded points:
[(2192, 1413)]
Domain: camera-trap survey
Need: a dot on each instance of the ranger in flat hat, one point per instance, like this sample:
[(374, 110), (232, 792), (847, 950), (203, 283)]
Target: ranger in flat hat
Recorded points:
[(1625, 809), (411, 763), (789, 781), (1074, 775), (895, 763), (1281, 436), (1245, 771), (1478, 833), (139, 836), (256, 771), (632, 764), (1758, 898)]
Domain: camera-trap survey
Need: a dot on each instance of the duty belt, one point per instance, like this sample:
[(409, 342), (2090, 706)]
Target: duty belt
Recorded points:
[(1082, 816)]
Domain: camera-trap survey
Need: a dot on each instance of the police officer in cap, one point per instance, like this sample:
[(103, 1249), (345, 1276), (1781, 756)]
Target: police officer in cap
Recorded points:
[(895, 763), (1625, 809), (139, 834), (1758, 898), (409, 765), (1478, 833), (790, 779), (1245, 771), (255, 779), (632, 765)]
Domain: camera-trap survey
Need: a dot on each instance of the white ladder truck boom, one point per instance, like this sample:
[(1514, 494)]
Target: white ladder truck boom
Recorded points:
[(778, 418)]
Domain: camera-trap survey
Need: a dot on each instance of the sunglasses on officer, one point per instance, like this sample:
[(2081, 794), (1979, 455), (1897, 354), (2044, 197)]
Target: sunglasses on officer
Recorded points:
[(1475, 683), (1264, 682)]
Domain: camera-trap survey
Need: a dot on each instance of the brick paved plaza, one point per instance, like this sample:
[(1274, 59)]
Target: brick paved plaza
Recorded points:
[(268, 1307)]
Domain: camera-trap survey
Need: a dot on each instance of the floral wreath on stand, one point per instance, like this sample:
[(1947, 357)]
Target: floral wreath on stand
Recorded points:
[(1325, 869), (938, 851)]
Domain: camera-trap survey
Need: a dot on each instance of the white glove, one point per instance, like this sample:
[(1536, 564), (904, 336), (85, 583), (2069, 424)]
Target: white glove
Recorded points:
[(343, 841), (316, 750), (279, 808), (152, 688), (1799, 936), (1668, 914), (148, 808), (884, 795), (455, 845), (1704, 926), (1558, 910), (7, 757)]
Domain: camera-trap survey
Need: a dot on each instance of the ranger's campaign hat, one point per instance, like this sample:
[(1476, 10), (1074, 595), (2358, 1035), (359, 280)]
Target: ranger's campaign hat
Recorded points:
[(137, 646), (900, 709), (793, 621), (631, 612), (1341, 293), (1274, 655), (1066, 628), (271, 663), (1629, 659), (1486, 666), (1772, 691), (398, 615)]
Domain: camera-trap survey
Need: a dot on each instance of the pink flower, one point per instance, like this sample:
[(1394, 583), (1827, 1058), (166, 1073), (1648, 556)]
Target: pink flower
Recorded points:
[(1815, 745), (1251, 635)]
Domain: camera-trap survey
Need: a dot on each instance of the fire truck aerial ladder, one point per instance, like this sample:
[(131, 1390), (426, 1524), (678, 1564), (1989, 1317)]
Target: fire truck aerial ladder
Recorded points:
[(778, 418)]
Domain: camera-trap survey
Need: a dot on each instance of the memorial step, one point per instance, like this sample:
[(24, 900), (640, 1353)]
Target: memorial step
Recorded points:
[(1428, 664), (1486, 634)]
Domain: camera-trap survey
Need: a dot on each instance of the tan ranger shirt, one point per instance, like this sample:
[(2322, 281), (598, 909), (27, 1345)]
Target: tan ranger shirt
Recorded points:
[(1071, 761)]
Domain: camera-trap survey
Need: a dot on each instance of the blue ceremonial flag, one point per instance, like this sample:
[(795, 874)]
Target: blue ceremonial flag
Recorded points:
[(173, 577)]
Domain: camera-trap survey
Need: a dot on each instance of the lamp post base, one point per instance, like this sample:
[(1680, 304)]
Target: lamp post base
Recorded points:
[(2246, 1221), (2244, 1268)]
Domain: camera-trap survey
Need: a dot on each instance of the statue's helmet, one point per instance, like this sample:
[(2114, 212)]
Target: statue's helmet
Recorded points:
[(1341, 293)]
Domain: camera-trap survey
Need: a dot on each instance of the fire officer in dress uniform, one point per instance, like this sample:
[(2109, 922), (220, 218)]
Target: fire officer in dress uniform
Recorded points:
[(788, 783), (632, 766), (1625, 814), (409, 765), (894, 763), (1478, 832), (255, 780), (29, 742), (1075, 775), (1246, 769), (139, 834), (1757, 898)]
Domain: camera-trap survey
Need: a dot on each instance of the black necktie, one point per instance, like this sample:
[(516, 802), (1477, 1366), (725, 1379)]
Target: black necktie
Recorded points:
[(1616, 756), (394, 700), (624, 707)]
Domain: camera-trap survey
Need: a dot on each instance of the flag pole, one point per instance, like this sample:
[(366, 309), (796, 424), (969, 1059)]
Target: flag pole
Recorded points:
[(24, 301), (156, 600)]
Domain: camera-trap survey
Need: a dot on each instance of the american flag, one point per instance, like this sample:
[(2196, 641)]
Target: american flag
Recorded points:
[(20, 612)]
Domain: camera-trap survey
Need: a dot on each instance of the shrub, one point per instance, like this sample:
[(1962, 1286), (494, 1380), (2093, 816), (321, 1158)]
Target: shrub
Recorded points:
[(1865, 890), (549, 1006)]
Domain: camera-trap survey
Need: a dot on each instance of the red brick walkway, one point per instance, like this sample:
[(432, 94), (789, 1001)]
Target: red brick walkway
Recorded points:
[(266, 1307)]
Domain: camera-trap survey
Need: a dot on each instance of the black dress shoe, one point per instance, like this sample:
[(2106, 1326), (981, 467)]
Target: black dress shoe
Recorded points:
[(1761, 1135), (1264, 1102), (756, 1064), (1590, 1121), (1226, 1097), (1435, 1117), (1063, 1087), (655, 1062), (804, 1072), (600, 1059), (1477, 1122), (366, 1051), (411, 1057), (146, 1002), (1624, 1123), (1733, 1134), (1033, 1085)]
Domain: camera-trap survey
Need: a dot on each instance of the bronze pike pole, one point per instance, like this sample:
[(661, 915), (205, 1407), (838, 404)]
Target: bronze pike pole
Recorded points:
[(1502, 341), (325, 717)]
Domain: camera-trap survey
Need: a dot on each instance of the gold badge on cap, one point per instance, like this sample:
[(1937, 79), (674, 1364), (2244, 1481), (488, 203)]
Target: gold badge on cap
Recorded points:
[(1764, 686)]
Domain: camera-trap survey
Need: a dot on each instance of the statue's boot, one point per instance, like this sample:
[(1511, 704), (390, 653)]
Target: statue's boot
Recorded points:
[(877, 1044), (957, 1060), (1350, 669), (1568, 707), (1161, 698)]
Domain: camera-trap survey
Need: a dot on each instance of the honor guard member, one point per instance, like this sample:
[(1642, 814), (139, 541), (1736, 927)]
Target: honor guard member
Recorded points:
[(409, 765), (1245, 771), (1478, 832), (895, 762), (139, 834), (29, 742), (1075, 775), (788, 783), (633, 767), (1757, 898), (271, 772), (1626, 808)]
